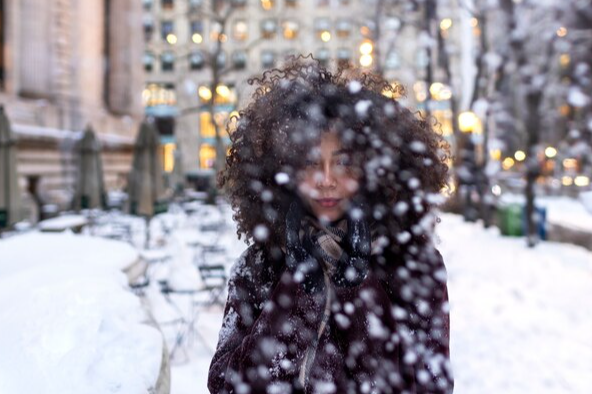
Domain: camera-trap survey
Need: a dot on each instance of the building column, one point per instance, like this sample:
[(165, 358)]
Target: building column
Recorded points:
[(124, 54), (35, 49)]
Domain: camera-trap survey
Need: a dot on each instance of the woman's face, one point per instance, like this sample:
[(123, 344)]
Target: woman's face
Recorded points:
[(328, 181)]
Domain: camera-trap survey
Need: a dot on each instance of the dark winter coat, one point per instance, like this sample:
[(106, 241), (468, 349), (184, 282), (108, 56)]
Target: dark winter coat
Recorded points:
[(368, 346)]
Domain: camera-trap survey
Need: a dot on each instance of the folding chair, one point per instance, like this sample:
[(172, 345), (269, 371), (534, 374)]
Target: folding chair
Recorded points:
[(184, 323), (214, 280)]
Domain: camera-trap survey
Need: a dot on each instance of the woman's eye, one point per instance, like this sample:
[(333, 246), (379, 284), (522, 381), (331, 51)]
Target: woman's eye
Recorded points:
[(311, 163), (344, 162)]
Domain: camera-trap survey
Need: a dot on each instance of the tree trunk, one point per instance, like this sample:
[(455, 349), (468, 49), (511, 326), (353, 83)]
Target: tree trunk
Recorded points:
[(533, 101)]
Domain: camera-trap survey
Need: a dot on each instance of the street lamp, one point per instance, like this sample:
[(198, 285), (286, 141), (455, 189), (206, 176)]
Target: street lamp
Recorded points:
[(204, 93), (581, 181), (562, 31), (223, 91), (550, 152), (467, 121), (197, 38), (366, 49), (520, 155), (366, 60), (171, 38), (445, 23)]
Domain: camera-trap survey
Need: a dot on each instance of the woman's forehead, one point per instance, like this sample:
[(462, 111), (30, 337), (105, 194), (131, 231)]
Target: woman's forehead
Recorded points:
[(329, 143)]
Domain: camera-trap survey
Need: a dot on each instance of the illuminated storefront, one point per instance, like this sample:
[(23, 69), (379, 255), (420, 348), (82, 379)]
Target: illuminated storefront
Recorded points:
[(160, 102), (223, 110)]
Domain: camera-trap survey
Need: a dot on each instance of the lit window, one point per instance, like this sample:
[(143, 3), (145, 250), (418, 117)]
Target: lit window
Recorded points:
[(289, 52), (196, 31), (239, 59), (196, 27), (323, 55), (196, 60), (368, 28), (392, 24), (207, 153), (241, 30), (167, 61), (159, 94), (344, 28), (268, 28), (267, 4), (195, 4), (343, 56), (392, 61), (168, 153), (148, 27), (167, 4), (290, 29), (148, 61), (221, 59), (422, 59), (224, 94), (267, 59), (166, 28), (322, 27)]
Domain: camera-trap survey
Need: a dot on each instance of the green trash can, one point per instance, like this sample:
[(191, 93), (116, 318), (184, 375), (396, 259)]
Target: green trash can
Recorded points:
[(510, 220)]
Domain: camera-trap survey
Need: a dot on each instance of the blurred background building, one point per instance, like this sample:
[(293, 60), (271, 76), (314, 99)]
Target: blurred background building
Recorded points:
[(66, 64), (186, 39)]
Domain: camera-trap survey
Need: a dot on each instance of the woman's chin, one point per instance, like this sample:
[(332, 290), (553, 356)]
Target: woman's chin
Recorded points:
[(329, 216)]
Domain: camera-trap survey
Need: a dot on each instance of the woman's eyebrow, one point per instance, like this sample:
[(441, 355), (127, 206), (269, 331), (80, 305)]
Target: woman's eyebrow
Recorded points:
[(341, 152)]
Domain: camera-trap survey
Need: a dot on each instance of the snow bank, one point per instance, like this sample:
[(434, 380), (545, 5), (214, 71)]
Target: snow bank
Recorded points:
[(69, 323), (74, 329)]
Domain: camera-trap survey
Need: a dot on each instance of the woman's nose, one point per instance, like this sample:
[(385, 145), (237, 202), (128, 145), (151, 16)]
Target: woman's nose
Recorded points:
[(327, 177)]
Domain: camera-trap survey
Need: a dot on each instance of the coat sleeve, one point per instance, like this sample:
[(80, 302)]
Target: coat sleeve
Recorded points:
[(401, 325), (421, 307), (265, 330)]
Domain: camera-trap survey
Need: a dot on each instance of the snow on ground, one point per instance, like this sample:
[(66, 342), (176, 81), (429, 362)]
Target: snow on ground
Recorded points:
[(520, 318), (189, 368)]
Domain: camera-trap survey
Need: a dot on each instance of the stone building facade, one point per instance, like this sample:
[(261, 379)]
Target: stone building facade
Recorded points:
[(66, 64)]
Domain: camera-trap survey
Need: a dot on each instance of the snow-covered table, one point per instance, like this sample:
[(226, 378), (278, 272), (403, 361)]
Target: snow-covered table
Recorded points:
[(63, 223), (33, 249)]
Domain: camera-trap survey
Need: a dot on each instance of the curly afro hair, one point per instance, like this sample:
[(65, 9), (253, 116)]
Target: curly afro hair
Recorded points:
[(400, 156)]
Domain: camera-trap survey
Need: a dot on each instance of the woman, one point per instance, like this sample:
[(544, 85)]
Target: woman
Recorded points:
[(341, 290)]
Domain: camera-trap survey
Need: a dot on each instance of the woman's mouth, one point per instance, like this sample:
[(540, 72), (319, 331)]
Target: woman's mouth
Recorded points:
[(328, 202)]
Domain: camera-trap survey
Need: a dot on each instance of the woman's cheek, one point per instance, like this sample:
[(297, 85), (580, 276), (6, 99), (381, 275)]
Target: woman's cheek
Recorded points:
[(307, 190), (352, 186)]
